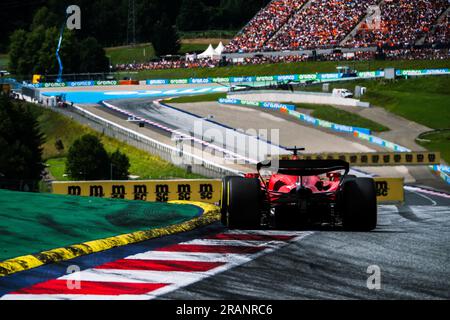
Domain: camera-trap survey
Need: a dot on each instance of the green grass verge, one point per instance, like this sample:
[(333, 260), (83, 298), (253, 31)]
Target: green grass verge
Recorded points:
[(145, 52), (48, 221), (56, 126), (338, 116), (194, 47), (130, 54), (197, 98), (289, 68), (437, 141), (57, 168), (423, 100), (208, 34)]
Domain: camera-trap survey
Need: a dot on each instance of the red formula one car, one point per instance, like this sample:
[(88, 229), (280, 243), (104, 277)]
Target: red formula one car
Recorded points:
[(292, 194)]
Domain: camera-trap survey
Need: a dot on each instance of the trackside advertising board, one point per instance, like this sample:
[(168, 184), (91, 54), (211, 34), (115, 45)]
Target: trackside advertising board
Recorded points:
[(389, 190), (208, 190), (332, 76), (88, 83), (290, 109), (148, 190), (376, 158), (266, 105)]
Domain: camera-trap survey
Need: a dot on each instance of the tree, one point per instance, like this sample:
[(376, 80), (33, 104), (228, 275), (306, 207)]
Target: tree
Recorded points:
[(59, 145), (87, 159), (120, 165), (165, 37), (92, 57), (46, 18), (20, 142), (17, 60), (35, 51), (192, 16)]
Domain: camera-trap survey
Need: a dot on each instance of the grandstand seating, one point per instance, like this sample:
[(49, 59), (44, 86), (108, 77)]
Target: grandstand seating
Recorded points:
[(403, 22), (298, 25), (440, 34), (323, 24), (264, 25)]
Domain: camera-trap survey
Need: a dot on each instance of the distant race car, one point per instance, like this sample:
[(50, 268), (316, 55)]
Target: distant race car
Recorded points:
[(293, 193)]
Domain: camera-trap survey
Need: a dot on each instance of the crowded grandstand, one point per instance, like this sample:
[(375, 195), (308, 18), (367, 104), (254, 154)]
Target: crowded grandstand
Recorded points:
[(301, 30)]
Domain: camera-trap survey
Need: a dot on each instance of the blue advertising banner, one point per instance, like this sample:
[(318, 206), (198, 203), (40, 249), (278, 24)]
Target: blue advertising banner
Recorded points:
[(291, 111), (267, 105)]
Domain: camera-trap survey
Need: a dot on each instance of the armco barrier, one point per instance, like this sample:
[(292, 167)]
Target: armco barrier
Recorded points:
[(197, 164), (148, 190), (207, 190), (178, 132), (290, 109), (377, 158)]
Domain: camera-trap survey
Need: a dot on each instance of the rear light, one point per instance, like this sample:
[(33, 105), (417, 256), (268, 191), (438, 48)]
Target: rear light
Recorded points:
[(334, 176), (251, 175)]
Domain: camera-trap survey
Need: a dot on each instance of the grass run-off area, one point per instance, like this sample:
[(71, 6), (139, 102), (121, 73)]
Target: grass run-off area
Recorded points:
[(437, 141), (425, 100), (144, 52), (49, 221), (329, 113), (286, 68), (129, 54), (324, 112), (56, 126)]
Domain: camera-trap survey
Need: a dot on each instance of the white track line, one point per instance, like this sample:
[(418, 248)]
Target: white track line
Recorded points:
[(430, 192), (243, 243), (190, 256), (174, 279), (136, 276)]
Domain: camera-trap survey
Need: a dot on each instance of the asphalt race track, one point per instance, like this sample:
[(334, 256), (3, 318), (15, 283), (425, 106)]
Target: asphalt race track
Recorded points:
[(411, 246)]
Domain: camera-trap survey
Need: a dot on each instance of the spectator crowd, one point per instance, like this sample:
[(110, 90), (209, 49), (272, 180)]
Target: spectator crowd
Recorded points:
[(325, 23), (264, 25), (397, 26), (298, 25), (403, 23), (397, 54)]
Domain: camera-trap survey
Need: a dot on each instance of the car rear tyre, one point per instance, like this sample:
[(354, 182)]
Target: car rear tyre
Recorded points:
[(224, 199), (243, 203), (359, 204)]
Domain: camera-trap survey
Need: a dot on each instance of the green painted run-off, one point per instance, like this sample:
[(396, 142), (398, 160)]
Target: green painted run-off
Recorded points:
[(34, 222)]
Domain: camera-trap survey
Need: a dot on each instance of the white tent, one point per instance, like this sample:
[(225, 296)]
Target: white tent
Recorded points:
[(208, 53), (220, 48)]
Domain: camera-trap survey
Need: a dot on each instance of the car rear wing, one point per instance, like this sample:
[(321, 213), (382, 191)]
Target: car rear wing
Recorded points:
[(304, 167)]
